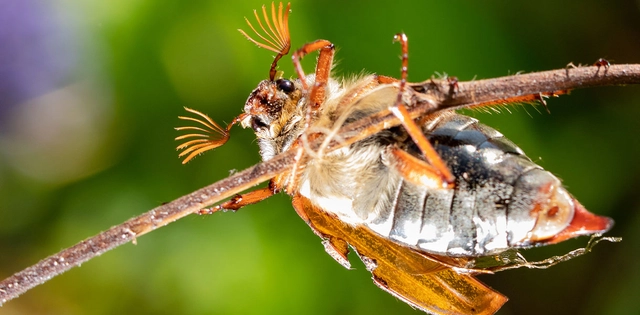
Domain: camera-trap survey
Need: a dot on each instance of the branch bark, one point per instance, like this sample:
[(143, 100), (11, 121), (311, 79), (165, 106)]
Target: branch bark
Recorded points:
[(472, 93)]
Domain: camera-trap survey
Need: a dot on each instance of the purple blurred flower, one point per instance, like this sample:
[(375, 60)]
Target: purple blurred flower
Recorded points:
[(36, 55)]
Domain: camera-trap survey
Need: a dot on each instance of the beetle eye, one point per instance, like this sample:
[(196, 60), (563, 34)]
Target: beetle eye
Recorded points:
[(257, 123), (285, 85)]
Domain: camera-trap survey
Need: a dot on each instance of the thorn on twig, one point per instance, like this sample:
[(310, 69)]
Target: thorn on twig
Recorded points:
[(453, 85), (569, 66)]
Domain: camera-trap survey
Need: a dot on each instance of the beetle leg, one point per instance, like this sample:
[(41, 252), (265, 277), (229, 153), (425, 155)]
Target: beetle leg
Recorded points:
[(383, 79), (400, 111), (323, 69), (239, 201), (290, 181), (453, 85), (355, 93), (415, 170), (528, 98)]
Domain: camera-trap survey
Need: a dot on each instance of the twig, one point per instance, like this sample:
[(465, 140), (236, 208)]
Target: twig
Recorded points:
[(439, 97), (128, 231)]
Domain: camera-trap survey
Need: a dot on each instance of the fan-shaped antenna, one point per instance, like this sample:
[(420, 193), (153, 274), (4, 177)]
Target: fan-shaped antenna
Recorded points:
[(277, 37), (207, 138)]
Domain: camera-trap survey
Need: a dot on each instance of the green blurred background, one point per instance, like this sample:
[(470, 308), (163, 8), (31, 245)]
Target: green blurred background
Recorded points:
[(91, 91)]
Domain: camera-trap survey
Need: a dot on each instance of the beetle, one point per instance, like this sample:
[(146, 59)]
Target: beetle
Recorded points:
[(461, 93), (441, 188)]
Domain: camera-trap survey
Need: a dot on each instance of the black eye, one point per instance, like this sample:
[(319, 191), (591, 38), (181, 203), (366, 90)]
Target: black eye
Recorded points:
[(285, 85), (257, 123)]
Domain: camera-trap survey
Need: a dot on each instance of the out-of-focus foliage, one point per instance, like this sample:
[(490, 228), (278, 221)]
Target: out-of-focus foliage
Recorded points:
[(90, 92)]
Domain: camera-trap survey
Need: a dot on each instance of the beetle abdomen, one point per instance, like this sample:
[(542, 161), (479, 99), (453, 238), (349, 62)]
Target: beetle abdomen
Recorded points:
[(493, 205), (501, 199)]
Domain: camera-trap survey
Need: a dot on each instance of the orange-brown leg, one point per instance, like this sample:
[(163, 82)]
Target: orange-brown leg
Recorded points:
[(349, 98), (290, 182), (453, 85), (416, 170), (359, 91), (400, 111), (529, 98), (317, 93), (323, 69), (239, 201), (383, 79)]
